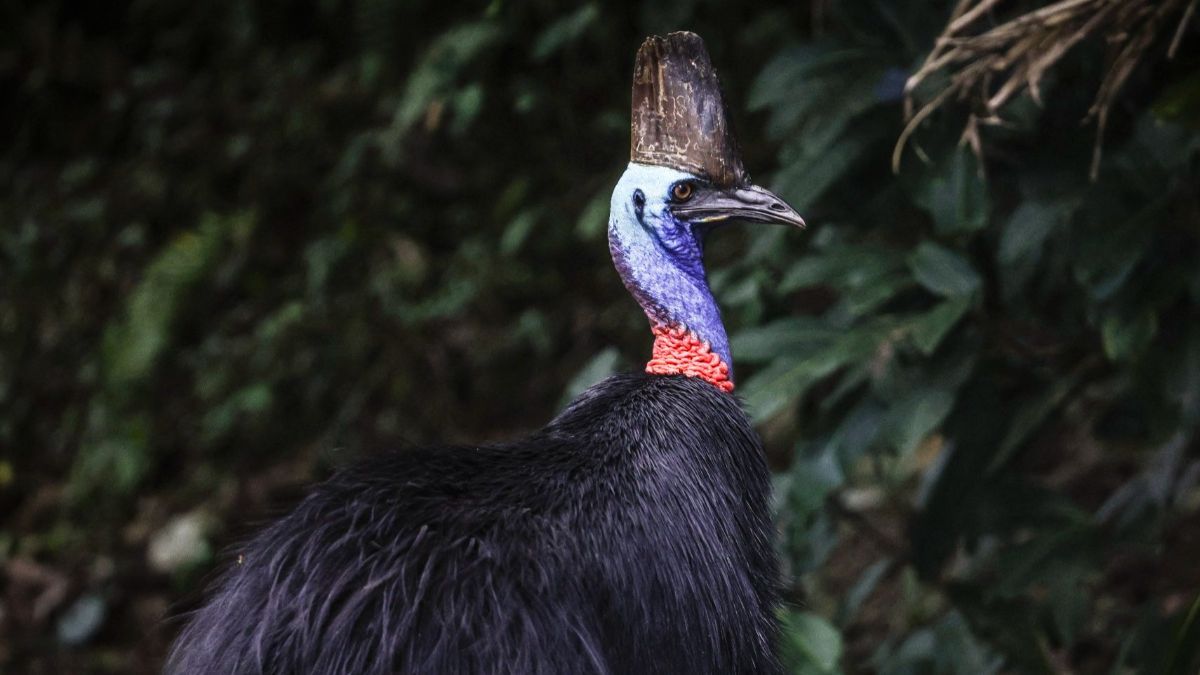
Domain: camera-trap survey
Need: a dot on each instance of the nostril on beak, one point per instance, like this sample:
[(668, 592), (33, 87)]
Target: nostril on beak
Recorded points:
[(776, 206)]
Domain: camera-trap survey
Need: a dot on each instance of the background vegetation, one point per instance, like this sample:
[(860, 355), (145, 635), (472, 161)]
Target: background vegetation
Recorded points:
[(243, 243)]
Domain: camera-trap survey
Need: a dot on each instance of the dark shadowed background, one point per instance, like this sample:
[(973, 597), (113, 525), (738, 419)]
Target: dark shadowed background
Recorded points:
[(243, 243)]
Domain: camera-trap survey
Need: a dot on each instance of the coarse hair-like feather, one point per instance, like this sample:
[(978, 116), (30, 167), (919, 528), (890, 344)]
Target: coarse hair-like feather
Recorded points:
[(630, 535)]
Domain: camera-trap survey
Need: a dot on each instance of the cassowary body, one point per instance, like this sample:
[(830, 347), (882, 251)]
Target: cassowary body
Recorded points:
[(630, 535)]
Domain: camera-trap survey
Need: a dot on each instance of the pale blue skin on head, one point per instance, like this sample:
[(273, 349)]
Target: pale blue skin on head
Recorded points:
[(661, 258)]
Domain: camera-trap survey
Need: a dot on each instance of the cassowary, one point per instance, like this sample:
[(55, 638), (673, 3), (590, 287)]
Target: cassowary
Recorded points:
[(630, 535)]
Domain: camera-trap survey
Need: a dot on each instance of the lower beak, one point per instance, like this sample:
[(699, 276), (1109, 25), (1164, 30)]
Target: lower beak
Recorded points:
[(751, 203)]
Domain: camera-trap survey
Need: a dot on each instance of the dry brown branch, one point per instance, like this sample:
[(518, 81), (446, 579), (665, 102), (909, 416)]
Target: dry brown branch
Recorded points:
[(1187, 17), (989, 66)]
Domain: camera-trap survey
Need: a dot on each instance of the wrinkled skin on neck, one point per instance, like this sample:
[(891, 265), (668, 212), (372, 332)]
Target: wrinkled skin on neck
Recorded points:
[(660, 259)]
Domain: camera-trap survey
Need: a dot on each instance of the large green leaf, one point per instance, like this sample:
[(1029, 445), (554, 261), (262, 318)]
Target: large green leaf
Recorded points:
[(845, 267), (867, 296), (792, 337), (783, 79), (806, 179), (785, 380)]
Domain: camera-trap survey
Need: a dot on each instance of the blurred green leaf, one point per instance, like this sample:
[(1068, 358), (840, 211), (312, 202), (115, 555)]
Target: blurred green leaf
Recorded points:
[(599, 367), (813, 479), (1022, 240), (810, 534), (1114, 244), (115, 457), (1180, 103), (782, 382), (931, 328), (518, 231), (593, 219), (811, 646), (133, 344), (803, 182), (793, 68), (955, 194), (1053, 557), (564, 31), (914, 417), (845, 267), (943, 271), (1027, 229), (1185, 649), (440, 67), (771, 389), (467, 104), (791, 336), (948, 647), (863, 587), (247, 401), (1031, 413), (863, 298), (1126, 337)]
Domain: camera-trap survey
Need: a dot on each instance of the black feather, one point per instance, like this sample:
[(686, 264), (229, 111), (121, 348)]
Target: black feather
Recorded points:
[(631, 535)]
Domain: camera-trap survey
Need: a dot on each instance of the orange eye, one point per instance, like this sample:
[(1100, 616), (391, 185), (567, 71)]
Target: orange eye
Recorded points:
[(682, 192)]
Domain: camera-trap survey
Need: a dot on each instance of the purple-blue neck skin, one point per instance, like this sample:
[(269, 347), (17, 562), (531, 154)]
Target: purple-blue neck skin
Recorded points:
[(661, 258)]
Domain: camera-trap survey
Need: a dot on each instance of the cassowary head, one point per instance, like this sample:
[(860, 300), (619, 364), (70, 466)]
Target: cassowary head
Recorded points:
[(685, 177)]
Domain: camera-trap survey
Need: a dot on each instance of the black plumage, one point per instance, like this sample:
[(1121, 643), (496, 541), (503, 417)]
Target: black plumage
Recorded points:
[(630, 535)]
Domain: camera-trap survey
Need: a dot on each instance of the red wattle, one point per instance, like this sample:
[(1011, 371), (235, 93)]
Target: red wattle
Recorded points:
[(679, 351)]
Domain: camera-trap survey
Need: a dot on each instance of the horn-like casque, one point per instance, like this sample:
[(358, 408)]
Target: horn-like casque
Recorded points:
[(679, 114)]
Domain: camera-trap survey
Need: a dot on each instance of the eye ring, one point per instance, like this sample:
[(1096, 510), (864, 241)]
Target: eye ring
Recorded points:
[(682, 191)]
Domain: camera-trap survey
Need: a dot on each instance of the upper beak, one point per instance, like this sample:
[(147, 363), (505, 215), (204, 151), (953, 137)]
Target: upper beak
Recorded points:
[(744, 203)]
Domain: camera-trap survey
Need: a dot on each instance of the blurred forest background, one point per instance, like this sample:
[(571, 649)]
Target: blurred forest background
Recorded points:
[(243, 243)]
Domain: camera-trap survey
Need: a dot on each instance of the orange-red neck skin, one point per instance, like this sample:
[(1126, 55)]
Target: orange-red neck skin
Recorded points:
[(679, 351)]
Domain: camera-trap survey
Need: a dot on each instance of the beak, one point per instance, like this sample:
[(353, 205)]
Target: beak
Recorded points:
[(751, 203)]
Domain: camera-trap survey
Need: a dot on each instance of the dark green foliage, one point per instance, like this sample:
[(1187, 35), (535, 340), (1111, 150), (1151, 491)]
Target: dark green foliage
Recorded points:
[(243, 242), (1009, 345)]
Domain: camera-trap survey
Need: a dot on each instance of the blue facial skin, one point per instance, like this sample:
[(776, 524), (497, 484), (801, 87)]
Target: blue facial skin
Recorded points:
[(660, 258)]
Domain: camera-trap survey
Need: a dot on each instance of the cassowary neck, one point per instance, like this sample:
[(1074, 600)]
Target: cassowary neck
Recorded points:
[(670, 284)]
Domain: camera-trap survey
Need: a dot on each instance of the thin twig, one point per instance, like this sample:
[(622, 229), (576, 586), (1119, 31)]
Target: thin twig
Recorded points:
[(1175, 41), (913, 123), (968, 18), (992, 67)]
